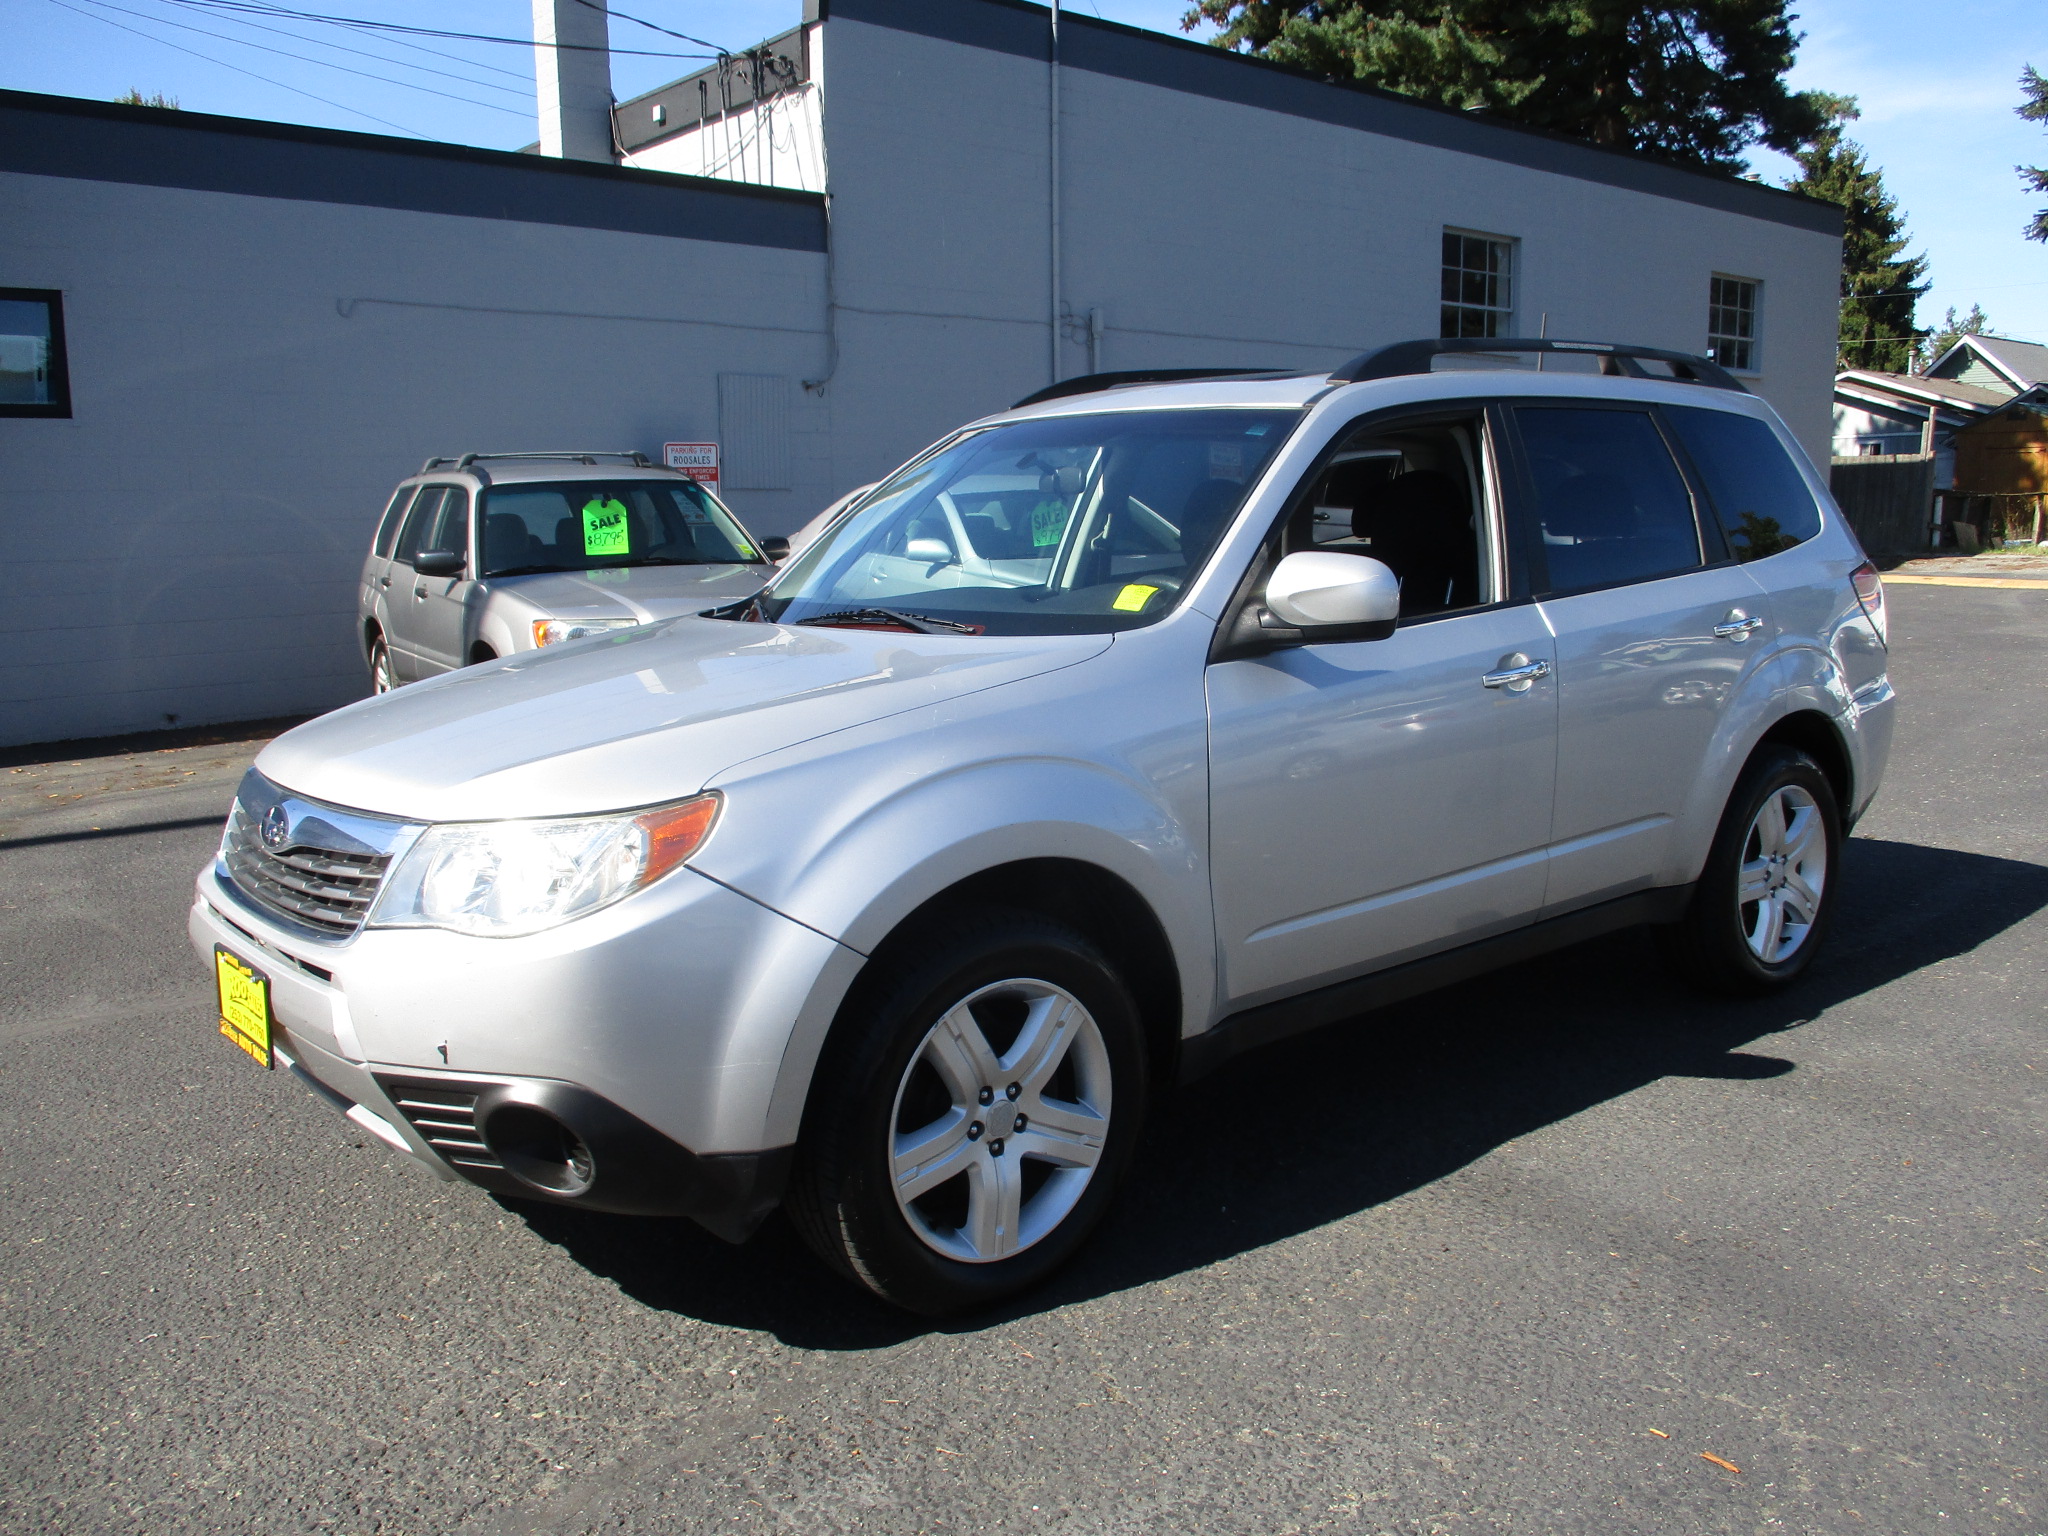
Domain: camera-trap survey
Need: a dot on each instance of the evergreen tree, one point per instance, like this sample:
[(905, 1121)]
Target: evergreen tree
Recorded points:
[(2034, 109), (135, 98), (1880, 283), (1951, 330), (1697, 83)]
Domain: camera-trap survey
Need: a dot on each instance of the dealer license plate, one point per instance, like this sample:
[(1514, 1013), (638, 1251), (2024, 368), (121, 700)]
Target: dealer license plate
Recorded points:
[(244, 1005)]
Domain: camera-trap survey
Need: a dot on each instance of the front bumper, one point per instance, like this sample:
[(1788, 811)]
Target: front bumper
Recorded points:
[(653, 1033)]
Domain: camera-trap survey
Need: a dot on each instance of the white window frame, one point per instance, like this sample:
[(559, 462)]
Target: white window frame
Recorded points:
[(1754, 341), (1502, 314)]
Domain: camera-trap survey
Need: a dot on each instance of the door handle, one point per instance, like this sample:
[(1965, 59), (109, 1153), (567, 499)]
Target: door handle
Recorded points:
[(383, 581), (1517, 673), (419, 592), (1737, 627)]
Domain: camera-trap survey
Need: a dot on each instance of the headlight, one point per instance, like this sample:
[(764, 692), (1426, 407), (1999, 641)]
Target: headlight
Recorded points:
[(500, 879), (555, 631)]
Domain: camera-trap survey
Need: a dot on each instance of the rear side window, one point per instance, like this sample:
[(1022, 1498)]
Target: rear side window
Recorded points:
[(387, 530), (1611, 503), (1757, 491), (420, 522)]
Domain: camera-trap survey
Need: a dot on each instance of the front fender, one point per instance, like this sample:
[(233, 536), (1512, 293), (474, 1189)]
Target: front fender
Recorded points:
[(851, 835)]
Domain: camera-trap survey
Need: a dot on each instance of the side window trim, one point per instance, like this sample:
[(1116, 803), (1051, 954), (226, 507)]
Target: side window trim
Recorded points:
[(1713, 538), (1526, 511)]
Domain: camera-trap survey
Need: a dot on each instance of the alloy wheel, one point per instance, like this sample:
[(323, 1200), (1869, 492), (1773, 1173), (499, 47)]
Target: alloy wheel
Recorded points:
[(1784, 870), (999, 1120)]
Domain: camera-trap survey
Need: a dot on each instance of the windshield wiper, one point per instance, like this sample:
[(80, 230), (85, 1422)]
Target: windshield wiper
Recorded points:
[(521, 570), (912, 621)]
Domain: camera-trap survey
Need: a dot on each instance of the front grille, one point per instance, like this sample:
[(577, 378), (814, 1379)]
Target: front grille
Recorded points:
[(445, 1115), (325, 889)]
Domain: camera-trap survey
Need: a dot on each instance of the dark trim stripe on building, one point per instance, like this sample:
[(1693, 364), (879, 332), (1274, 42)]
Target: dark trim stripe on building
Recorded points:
[(1200, 69), (149, 146)]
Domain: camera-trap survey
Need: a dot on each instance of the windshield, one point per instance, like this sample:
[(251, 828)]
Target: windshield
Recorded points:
[(589, 525), (1068, 525)]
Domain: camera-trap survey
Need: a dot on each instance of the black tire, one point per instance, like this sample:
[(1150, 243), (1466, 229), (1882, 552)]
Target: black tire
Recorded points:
[(382, 678), (1717, 944), (843, 1197)]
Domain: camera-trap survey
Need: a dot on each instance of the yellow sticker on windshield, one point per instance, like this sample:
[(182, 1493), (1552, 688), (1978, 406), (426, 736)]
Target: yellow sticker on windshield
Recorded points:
[(1133, 598), (604, 527)]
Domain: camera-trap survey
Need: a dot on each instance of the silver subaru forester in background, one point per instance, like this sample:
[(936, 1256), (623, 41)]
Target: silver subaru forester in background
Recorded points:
[(1115, 734), (480, 556)]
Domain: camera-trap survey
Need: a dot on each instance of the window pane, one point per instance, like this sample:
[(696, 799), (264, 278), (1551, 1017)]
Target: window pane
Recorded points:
[(1731, 321), (31, 371), (1612, 505), (417, 523), (576, 525), (1060, 525), (1757, 491), (451, 528)]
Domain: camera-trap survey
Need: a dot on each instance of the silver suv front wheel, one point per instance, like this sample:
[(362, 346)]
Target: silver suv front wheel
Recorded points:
[(973, 1112), (992, 1149)]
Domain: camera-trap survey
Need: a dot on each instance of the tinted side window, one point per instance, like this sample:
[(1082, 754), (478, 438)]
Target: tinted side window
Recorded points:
[(1611, 503), (387, 530), (418, 522), (1756, 489), (1408, 495)]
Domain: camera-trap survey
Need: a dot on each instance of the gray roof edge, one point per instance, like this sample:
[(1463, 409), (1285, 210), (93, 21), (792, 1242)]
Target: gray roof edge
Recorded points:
[(65, 136), (1111, 48)]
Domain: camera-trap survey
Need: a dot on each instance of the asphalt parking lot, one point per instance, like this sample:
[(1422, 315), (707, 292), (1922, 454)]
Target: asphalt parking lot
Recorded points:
[(1562, 1250)]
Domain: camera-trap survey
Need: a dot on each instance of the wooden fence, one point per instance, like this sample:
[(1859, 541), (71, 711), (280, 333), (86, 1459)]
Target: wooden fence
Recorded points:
[(1887, 498)]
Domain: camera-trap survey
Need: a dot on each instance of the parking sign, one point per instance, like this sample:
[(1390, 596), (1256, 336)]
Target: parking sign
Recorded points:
[(697, 460)]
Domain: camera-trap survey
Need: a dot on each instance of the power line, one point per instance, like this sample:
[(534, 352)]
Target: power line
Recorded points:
[(650, 26), (363, 53), (489, 106), (257, 7), (223, 63)]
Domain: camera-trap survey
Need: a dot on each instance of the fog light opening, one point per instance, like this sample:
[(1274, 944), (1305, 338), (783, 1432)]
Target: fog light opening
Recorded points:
[(538, 1149)]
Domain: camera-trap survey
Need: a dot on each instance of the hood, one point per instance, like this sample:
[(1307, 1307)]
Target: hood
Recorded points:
[(643, 592), (633, 718)]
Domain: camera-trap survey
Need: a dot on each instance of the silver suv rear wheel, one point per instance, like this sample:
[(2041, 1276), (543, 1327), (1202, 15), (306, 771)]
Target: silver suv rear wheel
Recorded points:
[(1760, 909), (1784, 873)]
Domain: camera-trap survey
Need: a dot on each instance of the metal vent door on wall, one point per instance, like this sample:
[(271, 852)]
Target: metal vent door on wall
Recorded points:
[(753, 432)]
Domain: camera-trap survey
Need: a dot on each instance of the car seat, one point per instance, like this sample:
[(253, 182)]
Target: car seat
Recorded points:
[(1420, 526)]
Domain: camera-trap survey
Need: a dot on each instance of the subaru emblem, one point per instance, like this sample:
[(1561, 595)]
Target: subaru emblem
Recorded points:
[(277, 828)]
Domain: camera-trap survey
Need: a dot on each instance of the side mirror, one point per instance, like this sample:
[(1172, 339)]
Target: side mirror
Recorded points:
[(1313, 598), (775, 547), (438, 562), (930, 551), (1321, 593)]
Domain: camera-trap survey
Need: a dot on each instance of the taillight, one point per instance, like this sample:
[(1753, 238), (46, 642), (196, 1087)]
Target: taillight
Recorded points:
[(1870, 593)]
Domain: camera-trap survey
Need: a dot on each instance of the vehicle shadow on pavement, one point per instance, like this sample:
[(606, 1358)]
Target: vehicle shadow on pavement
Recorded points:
[(1327, 1125)]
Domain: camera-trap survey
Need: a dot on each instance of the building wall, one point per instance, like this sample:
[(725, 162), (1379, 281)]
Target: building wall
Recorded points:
[(250, 377), (777, 143), (1209, 231)]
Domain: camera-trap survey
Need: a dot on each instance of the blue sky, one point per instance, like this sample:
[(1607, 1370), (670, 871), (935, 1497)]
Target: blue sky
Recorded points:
[(1937, 86)]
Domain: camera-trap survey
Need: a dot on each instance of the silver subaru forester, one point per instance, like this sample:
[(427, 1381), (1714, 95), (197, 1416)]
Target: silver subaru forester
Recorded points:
[(480, 556), (1113, 735)]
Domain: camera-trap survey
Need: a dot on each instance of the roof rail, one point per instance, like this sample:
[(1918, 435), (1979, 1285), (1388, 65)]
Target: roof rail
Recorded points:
[(581, 455), (1090, 383), (1406, 357)]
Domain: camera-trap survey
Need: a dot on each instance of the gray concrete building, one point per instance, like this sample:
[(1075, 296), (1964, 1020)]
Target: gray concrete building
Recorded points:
[(915, 216)]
